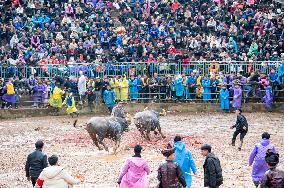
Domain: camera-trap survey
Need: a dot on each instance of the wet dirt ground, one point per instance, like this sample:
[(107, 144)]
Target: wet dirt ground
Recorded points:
[(100, 169)]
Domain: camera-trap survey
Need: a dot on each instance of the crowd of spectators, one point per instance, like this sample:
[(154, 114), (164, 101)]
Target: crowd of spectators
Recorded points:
[(38, 33), (51, 33), (141, 88)]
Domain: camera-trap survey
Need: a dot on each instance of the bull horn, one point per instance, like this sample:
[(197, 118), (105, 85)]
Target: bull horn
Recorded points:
[(145, 108), (163, 113)]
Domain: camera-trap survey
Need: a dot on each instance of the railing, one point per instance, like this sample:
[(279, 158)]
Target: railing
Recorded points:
[(109, 69), (250, 94)]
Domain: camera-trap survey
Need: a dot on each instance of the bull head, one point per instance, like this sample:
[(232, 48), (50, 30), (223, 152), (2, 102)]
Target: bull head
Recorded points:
[(163, 113)]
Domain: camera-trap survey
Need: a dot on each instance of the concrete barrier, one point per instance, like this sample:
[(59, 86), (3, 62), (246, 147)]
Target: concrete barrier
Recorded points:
[(136, 107)]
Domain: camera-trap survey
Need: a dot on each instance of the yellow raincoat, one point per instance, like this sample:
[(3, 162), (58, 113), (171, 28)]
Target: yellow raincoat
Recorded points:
[(124, 89), (199, 89), (115, 85), (71, 104), (56, 98), (10, 89)]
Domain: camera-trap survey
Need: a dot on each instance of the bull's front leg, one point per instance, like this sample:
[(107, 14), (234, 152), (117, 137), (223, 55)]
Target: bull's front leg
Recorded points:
[(148, 135), (160, 131), (142, 133), (117, 144), (102, 143), (95, 141)]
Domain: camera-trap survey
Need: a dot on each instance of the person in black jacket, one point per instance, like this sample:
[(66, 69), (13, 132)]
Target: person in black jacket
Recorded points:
[(241, 128), (36, 162), (213, 177)]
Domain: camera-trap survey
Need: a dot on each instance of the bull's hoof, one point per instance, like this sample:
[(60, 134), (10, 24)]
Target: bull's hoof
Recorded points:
[(100, 149)]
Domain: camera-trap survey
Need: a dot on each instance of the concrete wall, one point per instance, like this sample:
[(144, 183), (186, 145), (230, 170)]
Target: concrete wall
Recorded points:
[(135, 107)]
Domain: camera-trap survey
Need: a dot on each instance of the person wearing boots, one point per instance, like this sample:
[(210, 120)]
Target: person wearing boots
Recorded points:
[(257, 158), (241, 128), (70, 102)]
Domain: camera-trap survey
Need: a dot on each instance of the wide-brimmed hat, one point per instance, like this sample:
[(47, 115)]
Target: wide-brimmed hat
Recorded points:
[(272, 158), (168, 151)]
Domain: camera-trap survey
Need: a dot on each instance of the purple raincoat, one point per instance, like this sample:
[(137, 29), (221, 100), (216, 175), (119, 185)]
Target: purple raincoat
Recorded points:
[(258, 157), (268, 98), (237, 100), (40, 93), (134, 173), (10, 98)]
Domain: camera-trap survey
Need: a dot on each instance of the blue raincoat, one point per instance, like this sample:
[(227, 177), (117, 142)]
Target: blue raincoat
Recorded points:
[(133, 89), (179, 87), (191, 90), (224, 99), (206, 89), (139, 84), (109, 98), (185, 161)]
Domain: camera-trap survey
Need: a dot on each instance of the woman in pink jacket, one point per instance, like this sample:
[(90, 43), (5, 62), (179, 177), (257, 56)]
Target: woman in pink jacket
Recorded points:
[(135, 171)]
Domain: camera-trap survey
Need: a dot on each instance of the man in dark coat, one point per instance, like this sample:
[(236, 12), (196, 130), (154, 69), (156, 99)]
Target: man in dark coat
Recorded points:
[(241, 128), (36, 162), (274, 177), (169, 173), (213, 177)]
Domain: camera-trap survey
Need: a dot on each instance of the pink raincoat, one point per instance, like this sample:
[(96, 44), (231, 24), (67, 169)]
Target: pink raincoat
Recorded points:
[(134, 173)]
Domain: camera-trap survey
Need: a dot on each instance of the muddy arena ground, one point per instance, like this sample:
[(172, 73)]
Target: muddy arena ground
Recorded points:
[(100, 169)]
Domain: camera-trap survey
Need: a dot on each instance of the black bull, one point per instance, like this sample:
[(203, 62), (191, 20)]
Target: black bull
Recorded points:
[(147, 121), (100, 128)]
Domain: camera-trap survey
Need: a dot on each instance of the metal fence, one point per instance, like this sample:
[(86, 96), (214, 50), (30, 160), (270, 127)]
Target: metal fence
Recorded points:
[(129, 68), (250, 94)]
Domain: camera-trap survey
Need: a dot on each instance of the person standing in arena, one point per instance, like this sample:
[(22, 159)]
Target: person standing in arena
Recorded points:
[(36, 162), (274, 177), (55, 176), (241, 128), (185, 160), (213, 177), (257, 158), (169, 173), (70, 102), (135, 171)]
